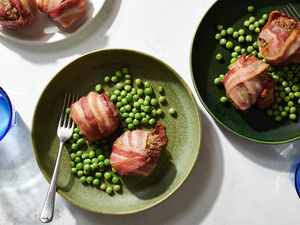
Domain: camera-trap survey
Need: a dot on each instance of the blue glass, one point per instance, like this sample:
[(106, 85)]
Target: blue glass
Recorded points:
[(6, 114), (297, 179)]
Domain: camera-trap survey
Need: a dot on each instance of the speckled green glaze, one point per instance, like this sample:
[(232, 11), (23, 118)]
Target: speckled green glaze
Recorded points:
[(184, 132), (254, 124)]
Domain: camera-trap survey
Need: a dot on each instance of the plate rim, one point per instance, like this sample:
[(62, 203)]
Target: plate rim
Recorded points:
[(192, 164), (206, 106)]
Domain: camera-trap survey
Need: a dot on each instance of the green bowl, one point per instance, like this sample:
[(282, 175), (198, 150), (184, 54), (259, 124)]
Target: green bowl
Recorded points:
[(139, 193), (254, 124)]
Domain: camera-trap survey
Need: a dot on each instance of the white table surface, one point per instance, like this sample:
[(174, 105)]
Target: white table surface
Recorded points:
[(233, 182)]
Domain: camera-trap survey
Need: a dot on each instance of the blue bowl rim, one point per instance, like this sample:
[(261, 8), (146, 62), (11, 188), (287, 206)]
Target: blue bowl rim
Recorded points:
[(6, 98)]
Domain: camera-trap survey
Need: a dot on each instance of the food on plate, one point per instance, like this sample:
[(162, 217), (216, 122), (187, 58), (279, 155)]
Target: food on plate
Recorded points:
[(137, 152), (99, 163), (66, 13), (279, 40), (248, 83), (16, 14), (95, 115)]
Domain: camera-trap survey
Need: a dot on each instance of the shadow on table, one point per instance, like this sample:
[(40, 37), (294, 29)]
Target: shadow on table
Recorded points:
[(189, 205), (275, 157), (20, 179), (91, 38)]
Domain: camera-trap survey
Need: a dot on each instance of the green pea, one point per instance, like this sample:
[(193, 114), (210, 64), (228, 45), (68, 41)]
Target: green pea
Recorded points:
[(73, 156), (114, 79), (146, 102), (79, 166), (159, 112), (103, 186), (125, 115), (106, 162), (74, 170), (138, 116), (230, 31), (218, 36), (241, 32), (67, 110), (237, 49), (107, 175), (72, 164), (128, 108), (115, 180), (80, 173), (252, 19), (250, 49), (270, 112), (118, 73), (136, 122), (234, 35), (125, 70), (117, 187), (123, 93), (293, 116), (283, 114), (219, 27), (247, 23), (145, 121), (243, 50), (161, 99), (223, 33), (290, 103), (293, 109), (278, 118), (109, 190), (101, 164), (257, 30), (233, 60), (94, 166), (241, 39), (74, 146), (160, 89), (140, 92), (76, 130), (152, 121), (91, 154), (250, 8), (80, 141), (96, 182), (128, 76), (130, 126), (252, 27), (128, 120), (87, 161), (249, 38), (89, 179), (153, 113), (217, 81), (223, 99), (148, 91), (297, 94), (98, 88), (98, 174), (262, 21), (172, 111), (136, 97), (223, 41), (131, 114), (229, 45), (106, 79), (256, 24), (87, 167), (83, 180), (128, 82), (254, 53), (77, 159)]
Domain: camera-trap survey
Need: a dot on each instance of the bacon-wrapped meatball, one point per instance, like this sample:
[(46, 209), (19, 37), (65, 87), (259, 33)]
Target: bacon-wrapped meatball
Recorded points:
[(137, 152), (279, 40), (95, 115), (16, 14), (248, 83)]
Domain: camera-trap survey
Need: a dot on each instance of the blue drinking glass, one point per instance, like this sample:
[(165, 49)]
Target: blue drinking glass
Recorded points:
[(295, 175), (7, 119)]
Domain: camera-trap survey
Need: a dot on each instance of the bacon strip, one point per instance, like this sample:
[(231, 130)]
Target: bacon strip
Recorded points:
[(246, 83), (65, 12), (279, 40), (137, 152), (92, 118), (16, 14)]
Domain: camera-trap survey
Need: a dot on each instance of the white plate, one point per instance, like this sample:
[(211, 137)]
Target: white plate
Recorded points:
[(43, 30)]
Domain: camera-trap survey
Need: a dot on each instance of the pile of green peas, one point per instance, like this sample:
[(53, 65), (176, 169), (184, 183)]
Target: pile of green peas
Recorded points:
[(136, 100), (287, 92), (89, 163)]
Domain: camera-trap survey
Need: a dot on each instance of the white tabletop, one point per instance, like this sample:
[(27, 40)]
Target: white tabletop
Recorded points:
[(233, 182)]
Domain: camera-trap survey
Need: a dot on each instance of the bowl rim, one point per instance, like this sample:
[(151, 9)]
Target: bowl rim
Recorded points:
[(206, 106), (198, 144)]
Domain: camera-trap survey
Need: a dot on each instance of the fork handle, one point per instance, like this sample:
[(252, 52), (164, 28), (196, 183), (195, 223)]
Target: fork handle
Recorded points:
[(48, 207)]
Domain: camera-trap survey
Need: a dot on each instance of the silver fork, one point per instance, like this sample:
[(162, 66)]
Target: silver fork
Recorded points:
[(64, 132), (290, 10)]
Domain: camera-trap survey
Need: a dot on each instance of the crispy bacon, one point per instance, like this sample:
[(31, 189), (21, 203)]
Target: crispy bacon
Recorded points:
[(247, 83), (137, 152), (95, 115), (279, 40), (16, 14), (65, 12)]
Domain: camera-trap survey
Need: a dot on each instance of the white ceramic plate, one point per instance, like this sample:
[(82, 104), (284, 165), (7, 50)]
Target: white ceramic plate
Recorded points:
[(43, 30)]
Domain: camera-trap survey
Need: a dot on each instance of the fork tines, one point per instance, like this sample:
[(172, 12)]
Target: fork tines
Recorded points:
[(65, 120), (291, 11)]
